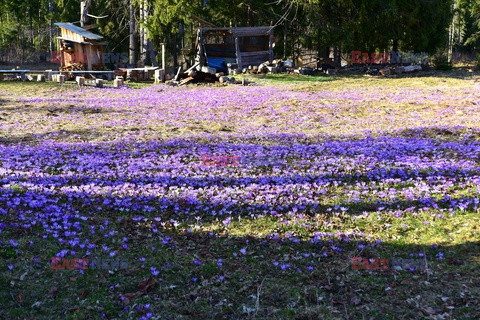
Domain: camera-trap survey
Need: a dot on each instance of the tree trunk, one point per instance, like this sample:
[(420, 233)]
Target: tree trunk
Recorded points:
[(144, 51), (175, 51), (181, 33), (84, 8), (50, 9), (285, 30), (451, 36), (249, 13), (395, 45), (133, 52)]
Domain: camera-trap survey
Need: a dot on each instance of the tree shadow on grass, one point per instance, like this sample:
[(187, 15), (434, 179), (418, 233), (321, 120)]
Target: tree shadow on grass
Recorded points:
[(217, 275)]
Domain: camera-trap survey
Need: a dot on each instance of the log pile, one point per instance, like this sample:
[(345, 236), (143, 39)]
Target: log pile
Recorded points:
[(277, 66), (394, 70), (197, 74), (73, 67)]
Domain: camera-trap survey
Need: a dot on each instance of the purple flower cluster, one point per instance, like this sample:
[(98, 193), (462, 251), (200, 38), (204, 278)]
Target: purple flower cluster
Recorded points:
[(115, 153)]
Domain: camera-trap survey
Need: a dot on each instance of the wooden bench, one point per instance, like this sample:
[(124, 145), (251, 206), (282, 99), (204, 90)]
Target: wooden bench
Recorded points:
[(21, 72)]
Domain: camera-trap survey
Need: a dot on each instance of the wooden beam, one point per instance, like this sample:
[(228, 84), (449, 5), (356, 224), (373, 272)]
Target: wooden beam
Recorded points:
[(254, 54), (91, 26), (204, 22)]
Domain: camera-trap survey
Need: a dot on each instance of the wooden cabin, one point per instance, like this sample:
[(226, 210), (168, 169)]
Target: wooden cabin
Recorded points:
[(78, 45), (245, 46)]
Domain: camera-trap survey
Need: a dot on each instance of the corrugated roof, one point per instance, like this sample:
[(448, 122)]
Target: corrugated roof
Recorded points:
[(78, 30)]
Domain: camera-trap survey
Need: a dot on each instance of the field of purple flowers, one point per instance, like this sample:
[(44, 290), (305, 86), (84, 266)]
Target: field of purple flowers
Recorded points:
[(330, 171)]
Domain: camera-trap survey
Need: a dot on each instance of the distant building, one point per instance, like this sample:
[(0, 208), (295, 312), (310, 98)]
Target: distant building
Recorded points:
[(78, 45), (244, 46)]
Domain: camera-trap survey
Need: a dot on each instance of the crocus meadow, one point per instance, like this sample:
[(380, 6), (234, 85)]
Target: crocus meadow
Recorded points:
[(353, 170)]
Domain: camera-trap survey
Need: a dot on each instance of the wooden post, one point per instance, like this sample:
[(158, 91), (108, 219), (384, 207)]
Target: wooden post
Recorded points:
[(62, 58), (89, 64), (80, 81), (49, 74), (40, 78), (163, 56), (99, 83), (117, 83), (61, 78), (239, 54), (159, 75), (202, 47), (270, 45)]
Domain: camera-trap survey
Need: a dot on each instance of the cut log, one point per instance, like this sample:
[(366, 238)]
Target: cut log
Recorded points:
[(210, 70), (80, 81), (412, 68), (272, 69), (49, 74), (159, 76), (40, 78), (99, 83), (61, 78), (331, 72), (186, 80), (385, 72), (117, 83)]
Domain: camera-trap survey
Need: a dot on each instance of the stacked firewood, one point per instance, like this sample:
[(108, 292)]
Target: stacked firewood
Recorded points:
[(73, 67)]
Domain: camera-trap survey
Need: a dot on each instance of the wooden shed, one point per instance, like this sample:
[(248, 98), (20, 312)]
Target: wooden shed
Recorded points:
[(244, 46), (78, 45)]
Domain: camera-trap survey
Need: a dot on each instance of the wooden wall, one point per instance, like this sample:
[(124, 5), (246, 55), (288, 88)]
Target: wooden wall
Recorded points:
[(67, 34), (253, 50)]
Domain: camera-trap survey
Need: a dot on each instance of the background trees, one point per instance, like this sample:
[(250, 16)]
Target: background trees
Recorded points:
[(365, 25)]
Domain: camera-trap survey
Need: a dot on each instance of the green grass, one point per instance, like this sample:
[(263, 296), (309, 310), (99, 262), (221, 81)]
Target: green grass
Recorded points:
[(326, 292)]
